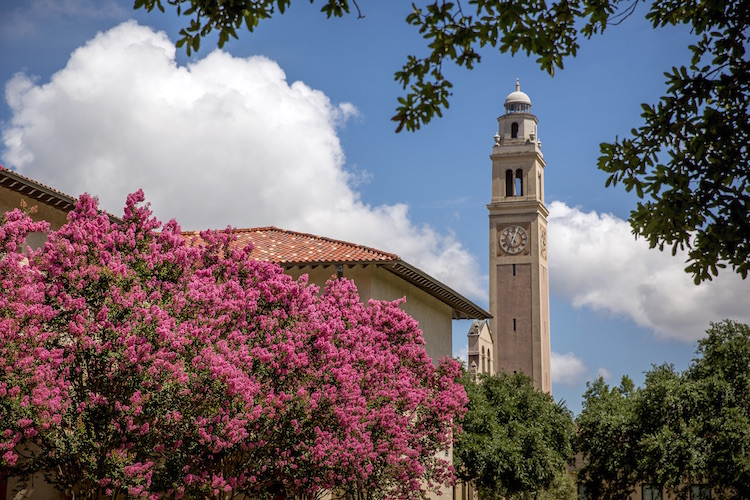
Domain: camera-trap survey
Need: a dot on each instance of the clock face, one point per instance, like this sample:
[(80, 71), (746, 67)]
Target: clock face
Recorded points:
[(513, 239)]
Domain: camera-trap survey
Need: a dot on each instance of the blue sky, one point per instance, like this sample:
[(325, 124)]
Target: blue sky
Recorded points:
[(96, 99)]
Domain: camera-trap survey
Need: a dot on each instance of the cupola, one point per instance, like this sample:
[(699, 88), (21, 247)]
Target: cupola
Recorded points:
[(518, 125), (517, 101)]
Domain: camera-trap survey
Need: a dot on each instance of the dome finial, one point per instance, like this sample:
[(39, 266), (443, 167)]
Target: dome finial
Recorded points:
[(517, 101)]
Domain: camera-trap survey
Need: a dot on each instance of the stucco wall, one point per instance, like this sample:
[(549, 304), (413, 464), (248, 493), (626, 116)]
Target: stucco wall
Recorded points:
[(10, 200), (372, 282), (433, 315)]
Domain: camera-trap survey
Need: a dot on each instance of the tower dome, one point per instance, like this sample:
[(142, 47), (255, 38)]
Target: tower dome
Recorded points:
[(517, 101)]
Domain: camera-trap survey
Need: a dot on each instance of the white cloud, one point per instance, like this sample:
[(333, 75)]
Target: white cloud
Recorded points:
[(595, 262), (223, 141), (604, 373), (567, 369)]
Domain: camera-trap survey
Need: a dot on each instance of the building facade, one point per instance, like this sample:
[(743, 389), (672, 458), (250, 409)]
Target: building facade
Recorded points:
[(377, 274), (519, 272)]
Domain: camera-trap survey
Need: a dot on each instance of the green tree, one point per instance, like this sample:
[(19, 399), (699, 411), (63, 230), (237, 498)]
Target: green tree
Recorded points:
[(688, 162), (666, 438), (562, 488), (516, 439), (605, 429), (721, 373), (678, 429)]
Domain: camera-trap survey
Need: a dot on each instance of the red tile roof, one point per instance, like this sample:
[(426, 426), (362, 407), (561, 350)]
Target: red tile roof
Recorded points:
[(286, 248), (290, 247)]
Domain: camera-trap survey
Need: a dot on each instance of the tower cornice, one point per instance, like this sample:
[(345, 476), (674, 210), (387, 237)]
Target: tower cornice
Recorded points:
[(518, 207), (519, 151)]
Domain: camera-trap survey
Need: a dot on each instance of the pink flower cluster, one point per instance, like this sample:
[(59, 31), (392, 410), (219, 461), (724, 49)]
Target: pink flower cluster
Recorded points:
[(132, 363)]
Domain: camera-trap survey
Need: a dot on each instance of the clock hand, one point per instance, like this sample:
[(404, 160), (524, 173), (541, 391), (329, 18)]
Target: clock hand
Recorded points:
[(513, 239)]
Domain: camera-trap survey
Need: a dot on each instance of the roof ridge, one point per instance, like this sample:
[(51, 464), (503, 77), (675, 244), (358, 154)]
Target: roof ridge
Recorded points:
[(267, 229), (326, 238)]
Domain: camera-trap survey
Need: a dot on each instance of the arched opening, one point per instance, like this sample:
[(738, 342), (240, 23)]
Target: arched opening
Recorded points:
[(508, 182), (482, 359), (519, 182), (514, 131)]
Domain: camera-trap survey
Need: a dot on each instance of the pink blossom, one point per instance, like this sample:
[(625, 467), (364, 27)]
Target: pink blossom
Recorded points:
[(184, 368)]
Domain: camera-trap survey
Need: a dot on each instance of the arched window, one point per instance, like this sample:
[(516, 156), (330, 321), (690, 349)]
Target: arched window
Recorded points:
[(514, 131), (482, 359), (508, 182), (519, 182)]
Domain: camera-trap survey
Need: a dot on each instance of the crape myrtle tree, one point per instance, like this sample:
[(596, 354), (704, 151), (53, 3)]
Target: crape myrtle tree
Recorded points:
[(678, 429), (136, 363), (687, 162), (516, 440)]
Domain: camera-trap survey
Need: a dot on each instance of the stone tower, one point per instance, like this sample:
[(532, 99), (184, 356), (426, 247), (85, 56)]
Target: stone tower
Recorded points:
[(519, 278)]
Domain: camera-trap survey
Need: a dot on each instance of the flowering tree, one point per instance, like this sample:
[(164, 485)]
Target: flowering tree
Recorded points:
[(132, 362)]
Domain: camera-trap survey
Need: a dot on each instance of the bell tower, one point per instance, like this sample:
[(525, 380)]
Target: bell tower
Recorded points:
[(519, 280)]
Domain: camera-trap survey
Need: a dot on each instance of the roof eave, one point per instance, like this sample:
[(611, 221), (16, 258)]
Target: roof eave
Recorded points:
[(462, 308), (25, 186), (35, 190)]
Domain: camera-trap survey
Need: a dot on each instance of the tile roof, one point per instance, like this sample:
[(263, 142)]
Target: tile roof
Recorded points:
[(286, 248), (291, 249)]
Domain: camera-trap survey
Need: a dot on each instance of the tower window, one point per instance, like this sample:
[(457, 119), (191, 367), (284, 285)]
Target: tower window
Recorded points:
[(514, 131), (519, 182), (514, 324), (514, 269), (508, 182)]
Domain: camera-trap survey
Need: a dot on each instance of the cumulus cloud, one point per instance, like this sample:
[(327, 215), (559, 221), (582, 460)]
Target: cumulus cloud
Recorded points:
[(222, 141), (595, 262), (567, 369), (604, 373)]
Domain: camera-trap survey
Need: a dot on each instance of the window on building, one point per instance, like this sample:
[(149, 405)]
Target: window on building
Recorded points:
[(650, 492), (514, 324), (514, 131), (700, 492), (508, 182), (519, 182), (514, 269)]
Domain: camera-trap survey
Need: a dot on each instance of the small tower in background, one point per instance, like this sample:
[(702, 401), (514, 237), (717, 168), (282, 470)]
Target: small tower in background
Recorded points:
[(481, 349)]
